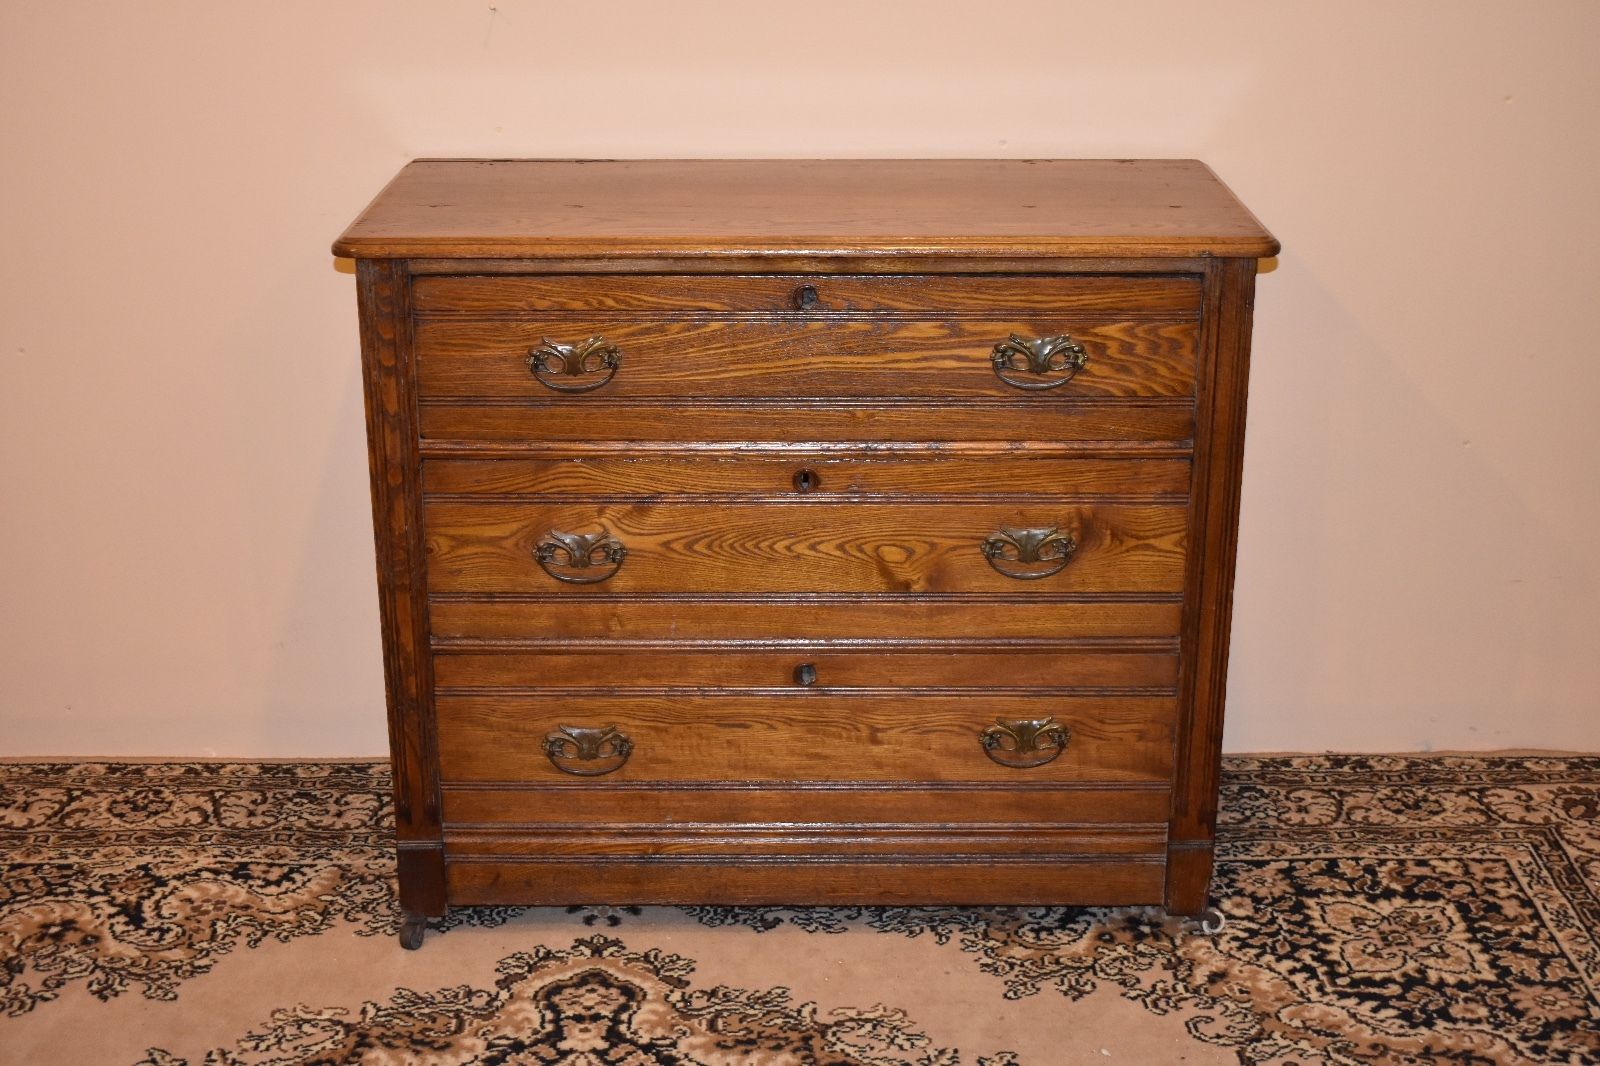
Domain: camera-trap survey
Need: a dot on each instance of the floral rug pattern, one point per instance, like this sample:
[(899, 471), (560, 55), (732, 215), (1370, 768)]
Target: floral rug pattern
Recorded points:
[(1380, 910)]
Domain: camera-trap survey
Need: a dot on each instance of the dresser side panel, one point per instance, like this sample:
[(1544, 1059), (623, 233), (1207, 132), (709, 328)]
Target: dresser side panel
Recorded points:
[(1208, 601), (390, 392)]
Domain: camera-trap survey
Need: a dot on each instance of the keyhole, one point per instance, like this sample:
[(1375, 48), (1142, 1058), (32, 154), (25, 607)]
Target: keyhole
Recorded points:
[(806, 480), (805, 675), (805, 297)]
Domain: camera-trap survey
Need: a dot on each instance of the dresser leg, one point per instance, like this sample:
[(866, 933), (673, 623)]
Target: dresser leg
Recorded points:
[(422, 892), (412, 931), (1188, 877)]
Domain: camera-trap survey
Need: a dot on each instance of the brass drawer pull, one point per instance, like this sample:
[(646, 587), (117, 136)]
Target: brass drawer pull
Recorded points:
[(580, 558), (1052, 361), (581, 367), (1029, 554), (587, 752), (1024, 743)]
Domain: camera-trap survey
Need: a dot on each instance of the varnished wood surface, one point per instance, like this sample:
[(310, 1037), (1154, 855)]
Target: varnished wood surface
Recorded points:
[(390, 405), (1164, 297), (804, 546), (928, 841), (870, 786), (797, 264), (998, 426), (1209, 595), (835, 669), (805, 736), (810, 355), (973, 207), (830, 476), (593, 806), (812, 880), (1026, 616)]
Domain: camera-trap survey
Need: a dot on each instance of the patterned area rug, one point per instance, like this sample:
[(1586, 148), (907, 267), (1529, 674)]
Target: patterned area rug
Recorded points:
[(1380, 910)]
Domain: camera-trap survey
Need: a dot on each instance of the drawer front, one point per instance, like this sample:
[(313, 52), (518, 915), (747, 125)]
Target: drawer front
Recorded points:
[(811, 355), (802, 736), (595, 805), (532, 293), (810, 880), (676, 547), (465, 621), (817, 476), (820, 669), (1166, 424)]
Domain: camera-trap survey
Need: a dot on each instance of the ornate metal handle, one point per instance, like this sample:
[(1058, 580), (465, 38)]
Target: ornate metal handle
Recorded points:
[(1052, 361), (580, 558), (1026, 742), (1029, 554), (587, 752), (581, 367)]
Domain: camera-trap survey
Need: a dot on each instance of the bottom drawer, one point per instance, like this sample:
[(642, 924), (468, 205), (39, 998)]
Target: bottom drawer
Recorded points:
[(804, 736), (1064, 881), (578, 807), (950, 844)]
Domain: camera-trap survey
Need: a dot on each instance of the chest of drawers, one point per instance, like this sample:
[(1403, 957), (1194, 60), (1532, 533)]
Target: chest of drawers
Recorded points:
[(805, 532)]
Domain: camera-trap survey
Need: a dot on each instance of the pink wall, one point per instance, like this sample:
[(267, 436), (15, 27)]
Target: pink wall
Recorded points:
[(185, 556)]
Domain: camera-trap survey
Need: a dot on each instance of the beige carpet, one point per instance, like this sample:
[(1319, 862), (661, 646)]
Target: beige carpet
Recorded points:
[(1381, 910)]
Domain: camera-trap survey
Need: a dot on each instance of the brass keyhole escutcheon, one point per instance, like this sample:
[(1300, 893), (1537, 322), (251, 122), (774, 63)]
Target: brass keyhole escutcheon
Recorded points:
[(806, 481)]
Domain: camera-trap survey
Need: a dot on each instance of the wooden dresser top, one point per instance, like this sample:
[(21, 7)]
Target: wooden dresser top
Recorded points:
[(519, 208)]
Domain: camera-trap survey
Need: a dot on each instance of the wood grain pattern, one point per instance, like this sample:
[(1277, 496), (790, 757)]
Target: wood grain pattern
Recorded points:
[(805, 736), (804, 547), (835, 668), (871, 785), (808, 618), (390, 404), (924, 841), (833, 475), (813, 880), (810, 263), (627, 209), (521, 294), (795, 355), (1057, 423), (591, 806), (1209, 595)]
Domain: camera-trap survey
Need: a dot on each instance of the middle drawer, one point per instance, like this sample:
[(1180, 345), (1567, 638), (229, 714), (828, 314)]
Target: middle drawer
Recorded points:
[(694, 546)]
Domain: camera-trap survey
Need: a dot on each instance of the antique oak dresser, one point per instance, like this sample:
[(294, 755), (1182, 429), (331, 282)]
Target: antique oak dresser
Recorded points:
[(805, 532)]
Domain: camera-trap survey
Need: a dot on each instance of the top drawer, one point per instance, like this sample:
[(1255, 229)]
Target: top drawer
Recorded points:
[(1161, 296), (650, 337)]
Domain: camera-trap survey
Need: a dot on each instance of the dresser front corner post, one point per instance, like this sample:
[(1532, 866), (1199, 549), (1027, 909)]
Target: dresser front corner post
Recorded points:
[(383, 287)]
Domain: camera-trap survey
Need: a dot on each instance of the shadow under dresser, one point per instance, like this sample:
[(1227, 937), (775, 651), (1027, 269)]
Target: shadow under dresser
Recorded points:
[(805, 532)]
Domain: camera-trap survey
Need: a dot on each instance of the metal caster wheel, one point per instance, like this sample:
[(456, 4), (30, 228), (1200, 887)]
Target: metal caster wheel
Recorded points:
[(1212, 921), (412, 931)]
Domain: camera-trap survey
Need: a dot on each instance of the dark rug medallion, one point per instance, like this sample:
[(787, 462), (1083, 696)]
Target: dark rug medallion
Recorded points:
[(1380, 910)]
